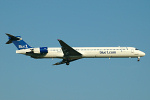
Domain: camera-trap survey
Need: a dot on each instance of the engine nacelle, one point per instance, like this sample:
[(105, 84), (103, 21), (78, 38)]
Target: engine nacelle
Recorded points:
[(41, 50)]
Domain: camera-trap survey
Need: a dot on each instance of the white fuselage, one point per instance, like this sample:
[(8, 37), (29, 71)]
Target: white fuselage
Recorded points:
[(91, 52)]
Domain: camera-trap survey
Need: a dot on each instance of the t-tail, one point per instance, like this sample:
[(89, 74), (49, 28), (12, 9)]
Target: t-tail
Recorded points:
[(17, 41)]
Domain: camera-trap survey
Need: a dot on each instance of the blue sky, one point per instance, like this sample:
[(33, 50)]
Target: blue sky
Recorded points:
[(79, 23)]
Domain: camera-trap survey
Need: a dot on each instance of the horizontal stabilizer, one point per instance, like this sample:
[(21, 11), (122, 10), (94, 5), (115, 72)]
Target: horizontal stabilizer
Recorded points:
[(8, 42), (11, 38), (17, 41)]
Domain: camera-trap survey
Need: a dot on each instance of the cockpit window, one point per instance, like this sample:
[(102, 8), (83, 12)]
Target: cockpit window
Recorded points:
[(136, 49)]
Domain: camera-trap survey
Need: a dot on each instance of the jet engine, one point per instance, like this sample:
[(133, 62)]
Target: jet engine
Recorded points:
[(41, 50)]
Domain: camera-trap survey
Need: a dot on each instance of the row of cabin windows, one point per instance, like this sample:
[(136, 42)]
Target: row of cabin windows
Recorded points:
[(100, 49), (86, 49)]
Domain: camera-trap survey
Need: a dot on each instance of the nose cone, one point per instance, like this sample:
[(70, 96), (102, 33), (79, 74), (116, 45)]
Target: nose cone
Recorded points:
[(142, 54)]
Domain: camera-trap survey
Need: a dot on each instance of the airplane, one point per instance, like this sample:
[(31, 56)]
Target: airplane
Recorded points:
[(69, 54)]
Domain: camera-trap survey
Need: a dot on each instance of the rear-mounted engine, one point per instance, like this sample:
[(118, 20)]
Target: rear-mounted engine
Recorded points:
[(41, 50)]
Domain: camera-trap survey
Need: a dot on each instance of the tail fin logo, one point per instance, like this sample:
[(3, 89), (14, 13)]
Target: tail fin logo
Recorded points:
[(22, 46)]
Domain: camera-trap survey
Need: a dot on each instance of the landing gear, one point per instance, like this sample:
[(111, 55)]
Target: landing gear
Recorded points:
[(67, 63), (138, 59)]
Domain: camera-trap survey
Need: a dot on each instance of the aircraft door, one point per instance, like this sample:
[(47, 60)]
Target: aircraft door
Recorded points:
[(132, 50)]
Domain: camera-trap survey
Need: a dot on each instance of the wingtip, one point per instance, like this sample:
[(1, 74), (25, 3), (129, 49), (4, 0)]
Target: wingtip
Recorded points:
[(55, 64)]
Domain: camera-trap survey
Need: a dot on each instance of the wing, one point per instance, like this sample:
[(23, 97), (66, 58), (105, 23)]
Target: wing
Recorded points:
[(65, 61), (69, 54), (67, 50)]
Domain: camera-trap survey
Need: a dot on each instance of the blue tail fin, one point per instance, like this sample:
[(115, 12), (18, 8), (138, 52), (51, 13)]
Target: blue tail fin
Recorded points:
[(17, 41)]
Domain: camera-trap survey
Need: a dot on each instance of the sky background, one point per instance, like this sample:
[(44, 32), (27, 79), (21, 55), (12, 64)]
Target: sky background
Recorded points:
[(89, 23)]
